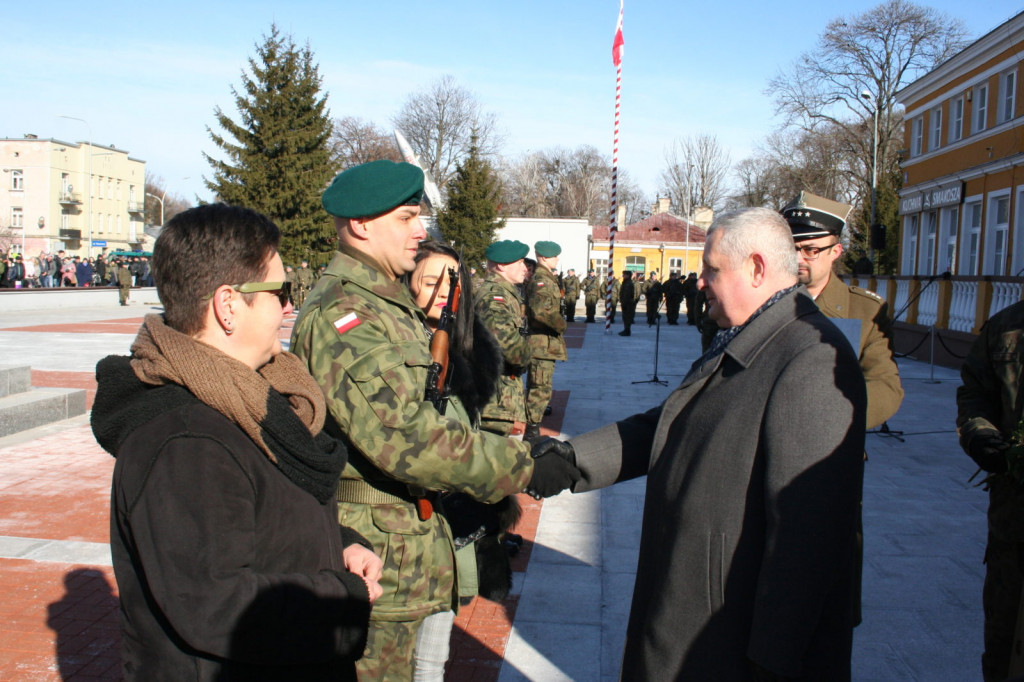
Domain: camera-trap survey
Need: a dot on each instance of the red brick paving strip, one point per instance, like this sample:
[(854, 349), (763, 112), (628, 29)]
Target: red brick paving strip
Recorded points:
[(120, 326)]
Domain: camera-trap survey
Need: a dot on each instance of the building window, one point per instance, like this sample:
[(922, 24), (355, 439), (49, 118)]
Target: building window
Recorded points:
[(1007, 96), (956, 119), (926, 262), (636, 263), (1018, 234), (675, 265), (65, 221), (917, 136), (910, 244), (996, 236), (17, 180), (972, 238), (17, 218), (980, 108), (947, 242), (935, 123)]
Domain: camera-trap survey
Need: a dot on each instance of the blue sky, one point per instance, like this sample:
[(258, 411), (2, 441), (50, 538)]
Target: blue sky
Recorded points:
[(146, 77)]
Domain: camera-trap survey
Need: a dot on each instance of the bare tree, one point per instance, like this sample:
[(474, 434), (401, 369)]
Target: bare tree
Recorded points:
[(524, 186), (695, 172), (355, 141), (440, 123), (173, 204)]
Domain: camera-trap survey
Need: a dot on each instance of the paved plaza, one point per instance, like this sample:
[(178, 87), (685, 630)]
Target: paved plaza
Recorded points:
[(924, 523)]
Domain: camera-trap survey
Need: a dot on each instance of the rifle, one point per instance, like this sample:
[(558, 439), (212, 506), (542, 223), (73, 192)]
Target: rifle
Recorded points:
[(439, 377)]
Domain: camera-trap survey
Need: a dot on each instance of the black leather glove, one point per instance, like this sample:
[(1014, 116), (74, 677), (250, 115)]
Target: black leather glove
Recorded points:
[(554, 468), (988, 449)]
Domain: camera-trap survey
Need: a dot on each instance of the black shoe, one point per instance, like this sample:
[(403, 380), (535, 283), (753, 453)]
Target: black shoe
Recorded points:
[(532, 431), (547, 411), (625, 332)]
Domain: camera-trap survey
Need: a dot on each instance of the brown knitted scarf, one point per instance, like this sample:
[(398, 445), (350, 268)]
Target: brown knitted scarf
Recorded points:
[(280, 407)]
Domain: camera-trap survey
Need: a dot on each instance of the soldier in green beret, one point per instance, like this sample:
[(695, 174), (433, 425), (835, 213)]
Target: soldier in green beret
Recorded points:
[(591, 294), (303, 283), (572, 294), (366, 342), (546, 325), (500, 307)]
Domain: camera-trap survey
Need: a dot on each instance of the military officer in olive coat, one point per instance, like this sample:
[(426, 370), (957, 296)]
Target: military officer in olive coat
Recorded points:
[(546, 326), (591, 294), (500, 308), (817, 224), (365, 341)]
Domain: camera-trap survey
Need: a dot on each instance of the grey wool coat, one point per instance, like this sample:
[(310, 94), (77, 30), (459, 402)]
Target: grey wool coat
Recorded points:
[(749, 549)]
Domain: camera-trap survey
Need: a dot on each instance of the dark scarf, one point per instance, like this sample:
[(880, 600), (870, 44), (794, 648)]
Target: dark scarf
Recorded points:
[(280, 407), (724, 336)]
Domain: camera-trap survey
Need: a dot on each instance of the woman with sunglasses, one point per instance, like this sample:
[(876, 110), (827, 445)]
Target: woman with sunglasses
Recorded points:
[(228, 556), (478, 529)]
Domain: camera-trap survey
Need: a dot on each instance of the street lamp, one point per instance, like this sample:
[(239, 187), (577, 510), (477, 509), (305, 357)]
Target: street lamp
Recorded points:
[(161, 200), (868, 97), (88, 206)]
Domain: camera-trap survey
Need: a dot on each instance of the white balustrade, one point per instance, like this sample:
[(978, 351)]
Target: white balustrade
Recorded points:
[(962, 305)]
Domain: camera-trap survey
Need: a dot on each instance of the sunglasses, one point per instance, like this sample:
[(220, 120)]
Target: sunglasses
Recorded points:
[(283, 290)]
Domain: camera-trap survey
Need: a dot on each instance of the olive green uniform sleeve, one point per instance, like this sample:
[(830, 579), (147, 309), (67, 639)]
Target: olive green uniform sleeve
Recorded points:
[(543, 303), (500, 310)]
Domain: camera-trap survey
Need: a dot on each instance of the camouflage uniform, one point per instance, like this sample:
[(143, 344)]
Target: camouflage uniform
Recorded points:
[(303, 283), (546, 342), (572, 292), (591, 295), (990, 400), (616, 286), (885, 393), (500, 309), (366, 343)]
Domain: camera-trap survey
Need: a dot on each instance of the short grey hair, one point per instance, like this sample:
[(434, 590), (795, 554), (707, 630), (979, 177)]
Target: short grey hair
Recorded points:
[(756, 230)]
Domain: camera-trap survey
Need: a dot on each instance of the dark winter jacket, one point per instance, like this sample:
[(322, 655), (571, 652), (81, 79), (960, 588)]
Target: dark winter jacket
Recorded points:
[(226, 569)]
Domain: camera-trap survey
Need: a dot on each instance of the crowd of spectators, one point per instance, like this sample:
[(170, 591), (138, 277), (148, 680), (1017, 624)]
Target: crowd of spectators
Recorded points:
[(60, 269)]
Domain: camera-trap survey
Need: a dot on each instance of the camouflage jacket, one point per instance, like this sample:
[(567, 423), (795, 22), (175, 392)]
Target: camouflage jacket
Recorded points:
[(616, 287), (304, 277), (544, 316), (885, 393), (572, 288), (592, 289), (364, 340), (991, 399), (500, 309)]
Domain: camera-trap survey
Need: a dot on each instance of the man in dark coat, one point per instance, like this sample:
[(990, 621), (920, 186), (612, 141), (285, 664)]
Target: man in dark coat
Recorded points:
[(629, 298), (748, 563), (690, 294)]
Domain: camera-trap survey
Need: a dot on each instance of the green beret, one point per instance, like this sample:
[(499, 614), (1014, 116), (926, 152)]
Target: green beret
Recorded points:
[(507, 251), (373, 188), (547, 249)]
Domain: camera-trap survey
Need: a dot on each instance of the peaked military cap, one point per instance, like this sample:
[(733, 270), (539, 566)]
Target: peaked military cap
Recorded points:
[(810, 216), (370, 189), (507, 251), (547, 249)]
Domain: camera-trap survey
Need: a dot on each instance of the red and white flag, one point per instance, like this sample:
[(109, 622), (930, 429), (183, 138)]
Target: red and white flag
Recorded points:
[(618, 45), (346, 323)]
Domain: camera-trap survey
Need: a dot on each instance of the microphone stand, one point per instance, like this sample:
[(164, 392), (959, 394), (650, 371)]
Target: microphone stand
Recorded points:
[(657, 344)]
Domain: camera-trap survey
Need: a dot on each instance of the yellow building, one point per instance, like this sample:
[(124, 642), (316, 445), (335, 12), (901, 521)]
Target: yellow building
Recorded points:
[(664, 243), (79, 197)]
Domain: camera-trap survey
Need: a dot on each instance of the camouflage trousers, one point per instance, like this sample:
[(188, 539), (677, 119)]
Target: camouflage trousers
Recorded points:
[(388, 656), (299, 297), (591, 306), (538, 388), (1001, 598), (123, 293)]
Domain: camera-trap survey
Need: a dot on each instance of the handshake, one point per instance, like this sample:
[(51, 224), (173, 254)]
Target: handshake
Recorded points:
[(554, 468)]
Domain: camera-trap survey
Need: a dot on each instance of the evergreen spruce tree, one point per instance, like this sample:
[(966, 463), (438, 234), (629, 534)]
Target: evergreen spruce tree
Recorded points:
[(470, 217), (276, 159)]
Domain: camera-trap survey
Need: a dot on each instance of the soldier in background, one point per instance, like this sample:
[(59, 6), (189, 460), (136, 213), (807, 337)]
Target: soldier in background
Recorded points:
[(591, 295), (652, 294), (124, 281), (546, 326), (571, 284), (989, 412), (690, 290), (366, 343), (500, 308), (303, 283), (817, 224), (630, 294), (673, 297), (616, 286), (289, 276)]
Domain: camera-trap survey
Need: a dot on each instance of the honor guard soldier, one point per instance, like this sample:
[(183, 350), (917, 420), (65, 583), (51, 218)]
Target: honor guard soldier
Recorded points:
[(591, 294), (546, 326), (365, 341), (572, 293), (816, 224), (500, 308)]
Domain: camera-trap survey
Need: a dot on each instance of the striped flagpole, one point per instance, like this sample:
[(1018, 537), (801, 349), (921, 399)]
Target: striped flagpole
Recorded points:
[(618, 46)]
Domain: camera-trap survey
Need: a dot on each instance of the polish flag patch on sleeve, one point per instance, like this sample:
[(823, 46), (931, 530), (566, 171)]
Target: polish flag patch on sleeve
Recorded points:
[(348, 322), (500, 299)]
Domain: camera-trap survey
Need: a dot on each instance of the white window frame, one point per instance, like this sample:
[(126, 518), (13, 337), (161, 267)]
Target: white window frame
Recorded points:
[(917, 136), (911, 224), (1007, 96), (997, 233), (956, 119), (935, 125), (675, 265), (65, 221), (1017, 262), (17, 180), (970, 244), (929, 234), (17, 218), (949, 227), (979, 118)]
